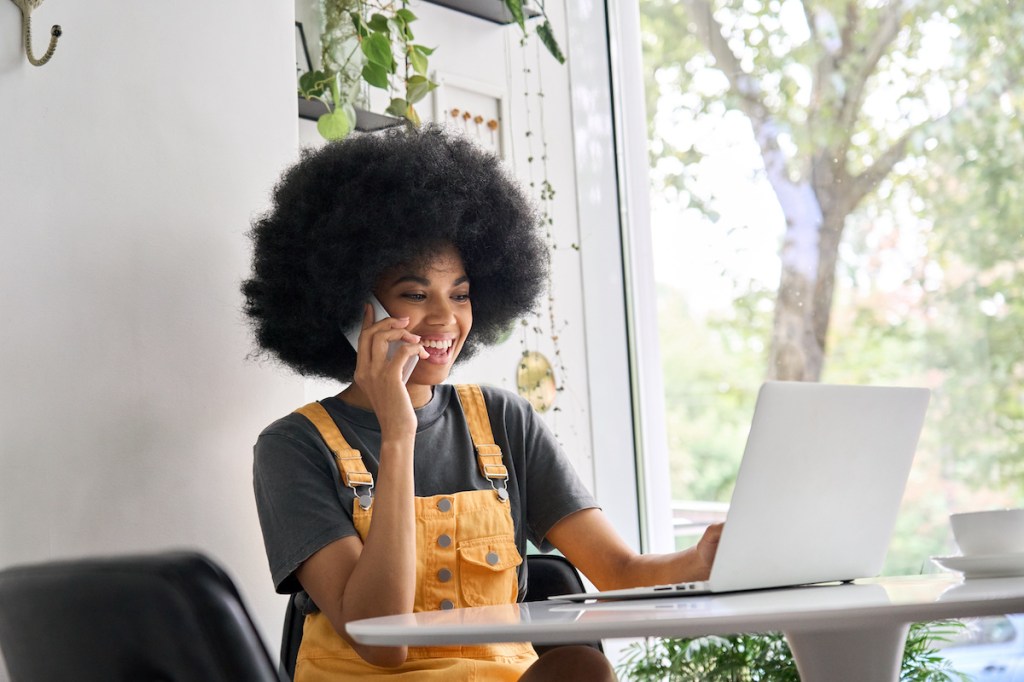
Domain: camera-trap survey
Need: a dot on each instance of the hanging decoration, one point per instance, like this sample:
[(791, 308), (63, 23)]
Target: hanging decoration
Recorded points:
[(535, 381), (551, 327)]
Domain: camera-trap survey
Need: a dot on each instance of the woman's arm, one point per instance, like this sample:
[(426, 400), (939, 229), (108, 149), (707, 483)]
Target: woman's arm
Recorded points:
[(351, 579), (589, 541)]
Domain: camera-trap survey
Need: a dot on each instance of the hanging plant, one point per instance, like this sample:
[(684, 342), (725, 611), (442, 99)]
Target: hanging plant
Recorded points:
[(367, 43), (544, 29), (546, 324), (370, 43)]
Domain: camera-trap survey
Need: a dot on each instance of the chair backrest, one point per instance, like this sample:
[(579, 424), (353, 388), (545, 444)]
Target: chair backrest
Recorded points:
[(291, 638), (173, 617), (549, 575)]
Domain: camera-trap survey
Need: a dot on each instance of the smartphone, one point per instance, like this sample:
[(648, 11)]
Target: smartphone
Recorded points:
[(352, 334)]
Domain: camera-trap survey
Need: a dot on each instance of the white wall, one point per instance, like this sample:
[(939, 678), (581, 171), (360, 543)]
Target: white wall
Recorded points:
[(130, 167)]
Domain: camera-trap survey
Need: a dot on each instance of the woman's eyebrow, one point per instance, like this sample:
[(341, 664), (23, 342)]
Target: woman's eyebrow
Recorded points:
[(417, 279), (412, 278)]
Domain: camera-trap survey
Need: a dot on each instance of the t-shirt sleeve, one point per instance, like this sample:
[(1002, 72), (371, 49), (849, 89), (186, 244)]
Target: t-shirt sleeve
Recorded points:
[(554, 489), (297, 498)]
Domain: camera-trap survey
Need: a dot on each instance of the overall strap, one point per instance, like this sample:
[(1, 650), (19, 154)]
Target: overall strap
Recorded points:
[(350, 462), (488, 454)]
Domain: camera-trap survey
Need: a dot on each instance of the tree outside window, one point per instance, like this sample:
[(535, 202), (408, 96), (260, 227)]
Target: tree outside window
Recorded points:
[(836, 196)]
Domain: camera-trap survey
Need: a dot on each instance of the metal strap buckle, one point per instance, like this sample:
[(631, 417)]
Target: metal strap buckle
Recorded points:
[(354, 478), (488, 450), (495, 471), (366, 499)]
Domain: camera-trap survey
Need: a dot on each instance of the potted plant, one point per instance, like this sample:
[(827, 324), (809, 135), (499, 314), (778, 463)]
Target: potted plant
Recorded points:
[(744, 657), (370, 43)]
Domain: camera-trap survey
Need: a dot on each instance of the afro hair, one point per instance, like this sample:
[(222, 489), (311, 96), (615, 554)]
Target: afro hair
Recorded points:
[(350, 210)]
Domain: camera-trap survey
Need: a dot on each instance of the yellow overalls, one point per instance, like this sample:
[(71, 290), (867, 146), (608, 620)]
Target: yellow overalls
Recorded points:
[(465, 556)]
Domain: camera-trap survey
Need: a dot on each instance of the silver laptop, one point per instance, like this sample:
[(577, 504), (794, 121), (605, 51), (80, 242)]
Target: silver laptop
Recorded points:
[(818, 489)]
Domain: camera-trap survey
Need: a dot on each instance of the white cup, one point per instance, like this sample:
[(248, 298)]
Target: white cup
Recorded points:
[(985, 533)]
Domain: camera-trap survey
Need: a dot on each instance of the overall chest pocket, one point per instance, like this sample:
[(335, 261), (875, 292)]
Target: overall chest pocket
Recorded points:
[(487, 571)]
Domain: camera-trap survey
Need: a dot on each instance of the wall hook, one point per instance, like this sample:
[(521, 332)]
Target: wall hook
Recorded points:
[(26, 7)]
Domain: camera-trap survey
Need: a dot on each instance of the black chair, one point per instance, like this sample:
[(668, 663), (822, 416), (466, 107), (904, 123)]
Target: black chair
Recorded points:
[(172, 617), (548, 575), (291, 638)]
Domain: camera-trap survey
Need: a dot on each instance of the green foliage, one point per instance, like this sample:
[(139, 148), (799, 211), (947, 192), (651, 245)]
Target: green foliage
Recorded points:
[(371, 42), (930, 282), (751, 657), (545, 31)]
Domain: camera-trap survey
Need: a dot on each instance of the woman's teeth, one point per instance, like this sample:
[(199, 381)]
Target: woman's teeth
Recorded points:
[(443, 345)]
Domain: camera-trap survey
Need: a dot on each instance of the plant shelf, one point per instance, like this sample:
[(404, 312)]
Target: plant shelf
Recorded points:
[(366, 121), (492, 10)]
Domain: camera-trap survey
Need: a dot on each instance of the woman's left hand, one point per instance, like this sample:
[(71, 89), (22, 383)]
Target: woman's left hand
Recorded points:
[(589, 541), (706, 549)]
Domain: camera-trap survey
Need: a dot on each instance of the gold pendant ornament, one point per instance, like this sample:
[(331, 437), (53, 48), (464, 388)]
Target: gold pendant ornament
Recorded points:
[(535, 381)]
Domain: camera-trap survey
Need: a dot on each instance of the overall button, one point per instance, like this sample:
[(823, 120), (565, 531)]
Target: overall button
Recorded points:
[(492, 558), (444, 504), (444, 575), (447, 604), (444, 540)]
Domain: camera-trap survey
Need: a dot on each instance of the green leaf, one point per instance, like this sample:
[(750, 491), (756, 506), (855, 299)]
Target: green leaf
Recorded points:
[(376, 75), (398, 107), (516, 8), (377, 49), (360, 26), (350, 112), (547, 36), (379, 22), (313, 84), (413, 117), (424, 50), (335, 125), (335, 87), (417, 87), (405, 15), (418, 62)]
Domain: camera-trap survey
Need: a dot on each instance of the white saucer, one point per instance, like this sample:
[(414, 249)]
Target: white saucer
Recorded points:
[(991, 566)]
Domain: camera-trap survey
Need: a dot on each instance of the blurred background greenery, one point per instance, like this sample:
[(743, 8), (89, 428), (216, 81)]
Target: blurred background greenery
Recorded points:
[(836, 197)]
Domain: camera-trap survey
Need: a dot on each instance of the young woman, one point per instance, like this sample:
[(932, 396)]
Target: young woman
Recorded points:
[(393, 496)]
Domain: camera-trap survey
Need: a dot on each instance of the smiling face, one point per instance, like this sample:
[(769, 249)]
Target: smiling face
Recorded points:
[(434, 295)]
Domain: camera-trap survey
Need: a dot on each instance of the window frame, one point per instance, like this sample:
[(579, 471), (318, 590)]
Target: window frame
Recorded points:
[(619, 305)]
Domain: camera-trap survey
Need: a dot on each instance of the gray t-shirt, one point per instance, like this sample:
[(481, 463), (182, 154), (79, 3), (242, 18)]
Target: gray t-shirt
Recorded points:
[(303, 506)]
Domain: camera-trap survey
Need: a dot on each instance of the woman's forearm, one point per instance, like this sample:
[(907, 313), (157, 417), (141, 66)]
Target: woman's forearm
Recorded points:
[(660, 569), (383, 581)]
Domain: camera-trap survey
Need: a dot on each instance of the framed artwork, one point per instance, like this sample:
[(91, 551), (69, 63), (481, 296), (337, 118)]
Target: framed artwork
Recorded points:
[(477, 110), (302, 61)]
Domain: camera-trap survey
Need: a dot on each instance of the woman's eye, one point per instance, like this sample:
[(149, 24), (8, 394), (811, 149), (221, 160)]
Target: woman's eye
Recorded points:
[(461, 298), (414, 297)]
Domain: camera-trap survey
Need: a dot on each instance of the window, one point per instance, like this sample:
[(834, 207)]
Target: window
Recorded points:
[(834, 197)]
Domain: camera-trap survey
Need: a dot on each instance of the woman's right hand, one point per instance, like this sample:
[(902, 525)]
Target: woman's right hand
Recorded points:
[(380, 378)]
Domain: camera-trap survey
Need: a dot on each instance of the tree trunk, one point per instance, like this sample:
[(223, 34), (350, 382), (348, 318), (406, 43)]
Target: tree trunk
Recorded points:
[(810, 251), (796, 354)]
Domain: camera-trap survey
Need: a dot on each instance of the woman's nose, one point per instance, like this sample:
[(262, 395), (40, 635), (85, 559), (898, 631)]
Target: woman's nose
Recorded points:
[(440, 311)]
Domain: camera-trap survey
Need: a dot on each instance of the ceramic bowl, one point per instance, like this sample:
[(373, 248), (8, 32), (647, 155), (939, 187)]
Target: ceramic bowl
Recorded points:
[(989, 533)]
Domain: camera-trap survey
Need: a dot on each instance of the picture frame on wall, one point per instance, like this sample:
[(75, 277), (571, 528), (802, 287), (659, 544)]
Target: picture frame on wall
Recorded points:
[(303, 63), (477, 110)]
